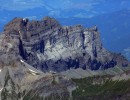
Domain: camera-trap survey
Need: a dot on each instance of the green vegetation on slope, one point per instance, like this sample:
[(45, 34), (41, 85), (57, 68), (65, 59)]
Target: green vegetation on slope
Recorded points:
[(89, 88), (9, 90), (100, 88)]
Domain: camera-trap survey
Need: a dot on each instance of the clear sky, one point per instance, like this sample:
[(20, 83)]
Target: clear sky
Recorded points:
[(64, 8)]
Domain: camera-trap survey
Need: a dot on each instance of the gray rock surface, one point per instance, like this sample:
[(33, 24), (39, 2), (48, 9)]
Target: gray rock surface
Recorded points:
[(74, 51), (20, 81), (46, 45)]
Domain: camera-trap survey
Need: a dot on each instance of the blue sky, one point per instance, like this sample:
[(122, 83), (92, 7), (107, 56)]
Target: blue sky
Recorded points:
[(61, 4), (81, 8)]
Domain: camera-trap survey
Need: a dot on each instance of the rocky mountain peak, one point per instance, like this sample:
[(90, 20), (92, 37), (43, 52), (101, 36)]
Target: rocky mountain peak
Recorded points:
[(38, 58), (46, 45)]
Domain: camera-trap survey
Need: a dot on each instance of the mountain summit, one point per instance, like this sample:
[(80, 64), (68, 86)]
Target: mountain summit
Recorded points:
[(39, 58), (47, 46)]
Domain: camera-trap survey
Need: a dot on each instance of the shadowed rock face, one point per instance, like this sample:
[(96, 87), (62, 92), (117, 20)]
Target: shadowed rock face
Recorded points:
[(47, 46)]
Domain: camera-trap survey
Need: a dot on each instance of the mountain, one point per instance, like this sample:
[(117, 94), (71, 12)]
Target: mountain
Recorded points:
[(51, 45), (117, 23), (20, 81), (7, 15), (37, 56), (116, 34)]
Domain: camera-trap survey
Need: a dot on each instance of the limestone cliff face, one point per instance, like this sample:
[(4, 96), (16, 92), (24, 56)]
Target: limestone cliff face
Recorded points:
[(46, 45)]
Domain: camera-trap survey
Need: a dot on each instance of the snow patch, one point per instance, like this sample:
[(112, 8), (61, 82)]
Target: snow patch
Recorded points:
[(22, 61), (32, 71), (1, 89)]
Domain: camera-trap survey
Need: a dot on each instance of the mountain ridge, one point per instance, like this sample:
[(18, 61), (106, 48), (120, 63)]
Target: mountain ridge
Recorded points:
[(117, 28), (51, 45), (39, 59)]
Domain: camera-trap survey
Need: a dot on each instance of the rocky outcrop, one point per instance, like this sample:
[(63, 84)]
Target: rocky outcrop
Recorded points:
[(20, 81), (46, 45)]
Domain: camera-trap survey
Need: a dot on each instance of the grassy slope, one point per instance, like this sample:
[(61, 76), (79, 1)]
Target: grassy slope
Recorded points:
[(100, 88)]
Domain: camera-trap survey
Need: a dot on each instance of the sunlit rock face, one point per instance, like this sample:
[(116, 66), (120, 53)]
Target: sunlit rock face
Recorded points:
[(46, 45), (20, 81)]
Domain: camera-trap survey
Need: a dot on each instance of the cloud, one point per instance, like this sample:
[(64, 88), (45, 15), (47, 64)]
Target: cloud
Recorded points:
[(20, 4)]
